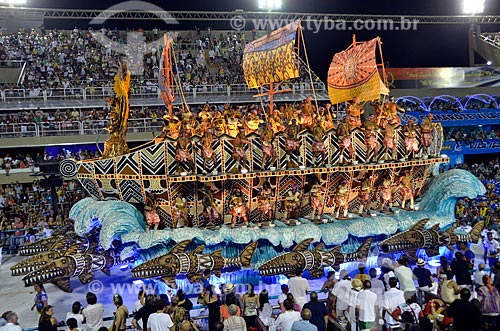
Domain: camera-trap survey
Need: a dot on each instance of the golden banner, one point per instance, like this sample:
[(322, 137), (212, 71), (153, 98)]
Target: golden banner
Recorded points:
[(270, 66), (370, 90)]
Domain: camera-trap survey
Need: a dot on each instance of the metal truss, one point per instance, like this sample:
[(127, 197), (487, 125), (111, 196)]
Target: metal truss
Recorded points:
[(46, 14)]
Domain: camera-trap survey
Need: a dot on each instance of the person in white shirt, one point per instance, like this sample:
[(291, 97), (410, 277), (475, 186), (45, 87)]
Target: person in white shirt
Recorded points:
[(298, 287), (139, 303), (93, 313), (377, 286), (366, 308), (406, 278), (357, 285), (491, 249), (392, 299), (11, 325), (285, 320), (76, 313), (340, 293), (282, 296), (160, 321), (478, 275)]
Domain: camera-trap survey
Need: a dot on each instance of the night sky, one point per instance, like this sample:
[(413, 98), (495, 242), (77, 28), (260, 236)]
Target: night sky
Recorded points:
[(428, 46)]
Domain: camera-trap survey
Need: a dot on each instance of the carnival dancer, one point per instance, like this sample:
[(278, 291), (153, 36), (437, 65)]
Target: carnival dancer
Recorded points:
[(371, 141), (182, 154), (292, 204), (268, 150), (385, 191), (318, 145), (210, 214), (354, 111), (389, 143), (292, 143), (407, 189), (365, 195), (426, 128), (411, 143), (264, 202), (316, 200), (179, 210), (206, 149), (344, 138), (237, 208), (342, 199), (239, 153), (391, 109)]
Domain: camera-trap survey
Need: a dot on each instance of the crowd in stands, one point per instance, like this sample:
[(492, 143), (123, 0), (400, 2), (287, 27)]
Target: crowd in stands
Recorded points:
[(21, 161), (447, 105), (471, 134), (61, 59), (32, 212)]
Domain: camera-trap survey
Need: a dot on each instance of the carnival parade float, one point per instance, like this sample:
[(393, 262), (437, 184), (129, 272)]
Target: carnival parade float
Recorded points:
[(255, 187)]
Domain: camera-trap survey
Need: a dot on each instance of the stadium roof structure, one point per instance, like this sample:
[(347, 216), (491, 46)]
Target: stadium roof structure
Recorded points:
[(86, 14)]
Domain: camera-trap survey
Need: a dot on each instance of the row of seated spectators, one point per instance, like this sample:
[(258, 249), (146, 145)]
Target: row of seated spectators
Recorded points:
[(448, 106), (471, 134), (27, 212), (24, 161), (71, 59)]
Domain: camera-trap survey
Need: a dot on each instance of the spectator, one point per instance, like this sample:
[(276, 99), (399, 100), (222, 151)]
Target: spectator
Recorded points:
[(144, 312), (357, 285), (377, 287), (491, 247), (234, 322), (424, 277), (185, 303), (466, 316), (282, 296), (450, 289), (47, 321), (392, 299), (319, 314), (213, 303), (265, 310), (159, 321), (461, 269), (224, 308), (361, 273), (12, 322), (478, 275), (366, 307), (285, 320), (341, 295), (298, 287), (93, 313), (489, 299), (121, 314), (305, 324), (76, 314), (250, 305), (405, 277)]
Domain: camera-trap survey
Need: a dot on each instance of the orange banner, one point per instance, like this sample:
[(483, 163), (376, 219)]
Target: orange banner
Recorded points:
[(353, 73)]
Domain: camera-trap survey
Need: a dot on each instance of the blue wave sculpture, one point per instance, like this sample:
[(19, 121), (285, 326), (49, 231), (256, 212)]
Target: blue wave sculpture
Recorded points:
[(122, 221)]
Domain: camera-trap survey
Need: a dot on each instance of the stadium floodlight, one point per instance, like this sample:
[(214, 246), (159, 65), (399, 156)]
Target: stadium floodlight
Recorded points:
[(13, 3), (473, 7), (270, 5)]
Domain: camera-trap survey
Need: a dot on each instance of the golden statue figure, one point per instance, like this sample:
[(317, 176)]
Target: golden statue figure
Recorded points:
[(116, 145)]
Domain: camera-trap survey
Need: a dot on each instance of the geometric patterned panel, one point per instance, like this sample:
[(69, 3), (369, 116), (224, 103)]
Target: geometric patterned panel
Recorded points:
[(131, 191), (104, 166), (128, 165), (153, 160), (91, 188)]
